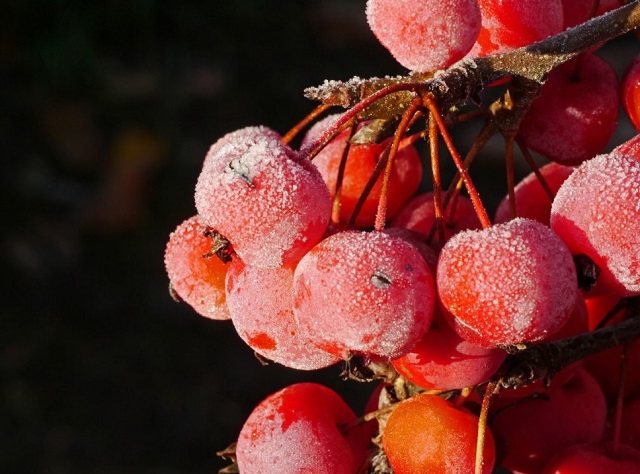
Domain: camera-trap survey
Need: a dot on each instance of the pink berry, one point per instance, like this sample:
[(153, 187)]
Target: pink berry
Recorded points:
[(364, 293), (260, 301), (271, 203), (425, 35)]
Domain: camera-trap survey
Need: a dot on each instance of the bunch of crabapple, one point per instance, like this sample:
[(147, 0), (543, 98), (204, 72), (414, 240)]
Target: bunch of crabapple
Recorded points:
[(334, 251)]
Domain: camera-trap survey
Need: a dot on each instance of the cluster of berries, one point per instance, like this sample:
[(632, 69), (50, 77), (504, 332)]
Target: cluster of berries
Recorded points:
[(290, 246)]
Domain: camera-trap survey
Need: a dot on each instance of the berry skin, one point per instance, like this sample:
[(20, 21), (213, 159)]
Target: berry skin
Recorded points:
[(270, 202), (425, 35), (576, 113), (506, 284), (427, 434), (364, 293), (597, 213), (509, 24), (198, 280), (532, 201), (297, 430), (260, 301), (442, 360), (631, 92)]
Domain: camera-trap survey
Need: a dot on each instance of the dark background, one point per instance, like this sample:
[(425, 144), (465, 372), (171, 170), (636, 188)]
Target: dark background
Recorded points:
[(107, 108)]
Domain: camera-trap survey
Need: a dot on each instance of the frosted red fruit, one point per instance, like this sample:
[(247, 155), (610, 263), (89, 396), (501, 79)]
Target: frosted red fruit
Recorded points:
[(509, 24), (425, 35), (597, 213), (531, 430), (631, 92), (364, 293), (532, 201), (576, 113), (442, 360), (417, 240), (298, 429), (508, 283), (427, 434), (597, 458), (198, 280), (247, 136), (260, 301), (270, 202), (361, 161), (630, 423), (418, 214)]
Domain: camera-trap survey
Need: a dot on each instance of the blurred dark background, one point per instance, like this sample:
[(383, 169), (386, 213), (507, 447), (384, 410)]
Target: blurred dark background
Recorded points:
[(107, 108)]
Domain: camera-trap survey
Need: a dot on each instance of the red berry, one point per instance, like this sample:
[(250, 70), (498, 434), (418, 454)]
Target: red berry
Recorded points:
[(532, 201), (594, 459), (427, 434), (509, 24), (631, 92), (508, 283), (298, 429), (442, 360), (597, 213), (364, 293), (576, 113), (196, 278), (425, 35)]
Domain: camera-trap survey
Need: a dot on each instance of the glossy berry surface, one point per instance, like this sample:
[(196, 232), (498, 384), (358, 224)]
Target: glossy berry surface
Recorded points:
[(631, 92), (418, 438)]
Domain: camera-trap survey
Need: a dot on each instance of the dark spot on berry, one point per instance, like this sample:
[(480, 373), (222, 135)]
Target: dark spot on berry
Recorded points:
[(380, 280)]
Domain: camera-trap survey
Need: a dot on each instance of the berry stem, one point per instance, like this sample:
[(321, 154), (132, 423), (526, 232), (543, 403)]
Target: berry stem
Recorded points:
[(491, 389), (534, 167), (437, 182), (408, 115), (335, 205), (297, 128), (511, 185), (473, 194)]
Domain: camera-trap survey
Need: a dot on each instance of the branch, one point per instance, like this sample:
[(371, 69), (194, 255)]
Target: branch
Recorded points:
[(466, 78), (542, 361)]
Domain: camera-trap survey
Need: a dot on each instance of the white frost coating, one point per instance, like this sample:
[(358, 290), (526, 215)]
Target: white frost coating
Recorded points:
[(260, 301), (597, 213), (508, 283), (425, 35), (270, 204), (364, 316)]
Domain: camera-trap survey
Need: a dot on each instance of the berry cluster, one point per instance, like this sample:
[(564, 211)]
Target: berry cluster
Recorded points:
[(332, 251)]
